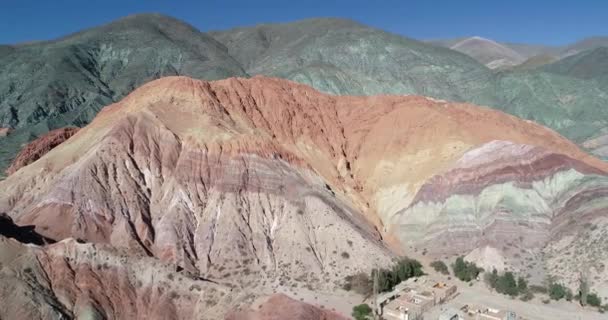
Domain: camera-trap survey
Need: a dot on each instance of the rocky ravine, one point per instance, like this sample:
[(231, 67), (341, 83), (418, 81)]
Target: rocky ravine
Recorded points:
[(264, 183), (70, 280)]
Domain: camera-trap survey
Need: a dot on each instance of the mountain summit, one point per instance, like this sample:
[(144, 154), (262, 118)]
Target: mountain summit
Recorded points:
[(488, 52)]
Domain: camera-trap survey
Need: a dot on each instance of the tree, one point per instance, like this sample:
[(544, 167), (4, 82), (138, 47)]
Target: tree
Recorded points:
[(404, 269), (506, 284), (491, 278), (361, 312), (522, 285), (464, 270)]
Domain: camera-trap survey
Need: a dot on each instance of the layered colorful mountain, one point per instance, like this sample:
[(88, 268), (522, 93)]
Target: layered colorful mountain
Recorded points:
[(261, 183), (65, 82)]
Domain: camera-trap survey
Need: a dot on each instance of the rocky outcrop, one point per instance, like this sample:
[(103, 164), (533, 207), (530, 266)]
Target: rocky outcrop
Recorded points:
[(4, 132), (280, 306), (71, 280), (39, 147)]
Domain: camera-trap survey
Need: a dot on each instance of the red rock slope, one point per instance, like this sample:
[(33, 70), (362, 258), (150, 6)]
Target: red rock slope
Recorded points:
[(280, 307), (263, 182), (39, 147)]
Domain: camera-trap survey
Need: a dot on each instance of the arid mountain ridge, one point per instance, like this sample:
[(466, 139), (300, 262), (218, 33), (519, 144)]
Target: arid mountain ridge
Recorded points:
[(336, 149), (52, 84), (257, 185)]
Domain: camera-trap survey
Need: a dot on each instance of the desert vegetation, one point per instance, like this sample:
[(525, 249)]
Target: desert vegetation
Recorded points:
[(402, 270), (465, 270), (506, 283), (361, 312), (440, 267)]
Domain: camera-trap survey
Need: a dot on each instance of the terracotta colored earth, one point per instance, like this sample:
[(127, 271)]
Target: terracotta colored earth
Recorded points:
[(280, 307), (258, 184), (39, 147)]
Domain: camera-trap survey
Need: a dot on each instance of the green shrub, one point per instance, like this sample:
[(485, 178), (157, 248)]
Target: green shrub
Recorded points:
[(558, 291), (440, 267), (522, 285), (506, 284), (594, 300), (404, 269), (464, 270), (359, 283), (361, 312)]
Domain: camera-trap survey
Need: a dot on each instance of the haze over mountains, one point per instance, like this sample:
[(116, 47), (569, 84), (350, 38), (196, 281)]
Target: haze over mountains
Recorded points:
[(284, 157), (497, 55)]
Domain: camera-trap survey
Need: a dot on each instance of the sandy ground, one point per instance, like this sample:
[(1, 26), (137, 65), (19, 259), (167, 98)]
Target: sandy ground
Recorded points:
[(339, 301), (531, 310)]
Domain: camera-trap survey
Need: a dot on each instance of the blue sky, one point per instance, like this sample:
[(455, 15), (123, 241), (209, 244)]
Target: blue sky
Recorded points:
[(553, 22)]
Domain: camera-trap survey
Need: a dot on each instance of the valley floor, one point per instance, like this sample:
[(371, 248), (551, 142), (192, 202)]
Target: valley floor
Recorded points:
[(532, 310)]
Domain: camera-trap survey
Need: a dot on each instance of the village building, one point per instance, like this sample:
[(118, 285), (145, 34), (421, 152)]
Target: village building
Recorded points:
[(477, 312), (411, 298)]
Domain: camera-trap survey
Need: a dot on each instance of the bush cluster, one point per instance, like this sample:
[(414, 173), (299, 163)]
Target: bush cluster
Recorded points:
[(404, 269), (362, 312), (387, 278), (506, 283), (440, 267), (557, 291), (465, 270)]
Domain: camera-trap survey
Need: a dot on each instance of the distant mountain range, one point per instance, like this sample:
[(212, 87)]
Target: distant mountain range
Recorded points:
[(53, 84), (499, 55)]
